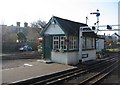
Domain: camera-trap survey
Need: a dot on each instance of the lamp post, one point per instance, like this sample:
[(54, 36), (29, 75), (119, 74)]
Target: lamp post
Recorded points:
[(97, 15)]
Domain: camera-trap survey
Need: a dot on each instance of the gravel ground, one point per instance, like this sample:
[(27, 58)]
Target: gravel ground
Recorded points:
[(6, 64), (16, 59), (113, 78)]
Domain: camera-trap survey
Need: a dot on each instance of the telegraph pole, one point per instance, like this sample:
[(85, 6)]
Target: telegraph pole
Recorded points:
[(86, 19)]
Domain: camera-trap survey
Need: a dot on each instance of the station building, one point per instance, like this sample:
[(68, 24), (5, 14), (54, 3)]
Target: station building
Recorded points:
[(61, 42)]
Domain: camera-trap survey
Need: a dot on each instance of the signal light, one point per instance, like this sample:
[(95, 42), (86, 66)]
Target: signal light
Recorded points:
[(109, 27), (93, 28), (40, 39)]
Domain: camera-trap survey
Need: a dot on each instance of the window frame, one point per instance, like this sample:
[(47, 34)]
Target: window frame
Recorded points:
[(73, 42), (88, 43), (54, 41), (64, 37)]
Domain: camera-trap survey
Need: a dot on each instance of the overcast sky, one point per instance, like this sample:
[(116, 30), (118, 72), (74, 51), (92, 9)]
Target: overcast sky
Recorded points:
[(75, 10)]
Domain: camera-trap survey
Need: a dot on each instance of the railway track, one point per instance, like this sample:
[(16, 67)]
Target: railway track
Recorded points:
[(64, 77), (76, 77), (97, 77)]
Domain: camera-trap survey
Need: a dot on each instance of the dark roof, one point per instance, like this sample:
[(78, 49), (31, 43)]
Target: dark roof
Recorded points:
[(89, 34), (69, 27), (100, 36)]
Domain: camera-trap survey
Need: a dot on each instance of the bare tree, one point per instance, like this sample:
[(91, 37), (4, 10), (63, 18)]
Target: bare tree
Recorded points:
[(38, 25)]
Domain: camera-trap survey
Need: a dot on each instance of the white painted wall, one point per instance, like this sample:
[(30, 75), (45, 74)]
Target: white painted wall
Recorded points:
[(72, 57), (91, 55), (65, 58), (99, 45), (59, 57), (54, 29)]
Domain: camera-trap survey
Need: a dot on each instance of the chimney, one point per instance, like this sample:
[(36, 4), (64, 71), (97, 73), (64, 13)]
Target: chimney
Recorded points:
[(25, 24), (18, 24)]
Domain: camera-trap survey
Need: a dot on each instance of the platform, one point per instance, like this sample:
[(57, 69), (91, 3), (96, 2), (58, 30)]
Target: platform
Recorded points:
[(31, 70)]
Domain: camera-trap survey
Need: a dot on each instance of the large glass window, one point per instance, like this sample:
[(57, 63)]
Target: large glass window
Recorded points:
[(56, 42), (88, 43), (83, 42), (63, 43), (59, 42), (70, 42), (73, 43)]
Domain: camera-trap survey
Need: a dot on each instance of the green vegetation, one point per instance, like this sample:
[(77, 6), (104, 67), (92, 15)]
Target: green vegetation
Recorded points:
[(98, 55), (107, 52), (113, 49)]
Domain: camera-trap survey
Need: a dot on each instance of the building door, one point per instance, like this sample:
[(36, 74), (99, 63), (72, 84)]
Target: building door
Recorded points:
[(47, 47)]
